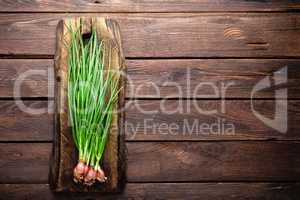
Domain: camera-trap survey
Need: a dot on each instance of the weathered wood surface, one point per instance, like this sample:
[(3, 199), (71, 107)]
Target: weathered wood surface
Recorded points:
[(154, 191), (24, 162), (147, 6), (19, 126), (235, 77), (210, 78), (171, 161), (211, 31), (206, 120), (64, 156), (230, 161), (162, 35), (32, 74)]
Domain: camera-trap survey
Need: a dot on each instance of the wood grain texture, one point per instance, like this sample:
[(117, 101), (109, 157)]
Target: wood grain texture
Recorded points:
[(17, 125), (33, 76), (180, 125), (162, 35), (24, 162), (212, 170), (154, 191), (64, 156), (146, 6), (211, 78), (208, 120), (235, 78), (211, 161), (171, 161)]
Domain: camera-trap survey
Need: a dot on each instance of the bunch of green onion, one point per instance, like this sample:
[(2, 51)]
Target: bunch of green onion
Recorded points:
[(92, 90)]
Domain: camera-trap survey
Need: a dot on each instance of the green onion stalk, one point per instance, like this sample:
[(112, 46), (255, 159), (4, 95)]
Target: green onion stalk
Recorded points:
[(93, 88)]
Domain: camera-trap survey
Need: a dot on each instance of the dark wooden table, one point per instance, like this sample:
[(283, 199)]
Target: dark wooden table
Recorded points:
[(215, 41)]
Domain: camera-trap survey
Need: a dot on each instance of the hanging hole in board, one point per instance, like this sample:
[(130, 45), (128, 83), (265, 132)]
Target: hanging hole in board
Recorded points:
[(86, 37), (97, 2)]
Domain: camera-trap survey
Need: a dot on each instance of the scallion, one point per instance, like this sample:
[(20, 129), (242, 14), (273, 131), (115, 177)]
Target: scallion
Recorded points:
[(92, 90)]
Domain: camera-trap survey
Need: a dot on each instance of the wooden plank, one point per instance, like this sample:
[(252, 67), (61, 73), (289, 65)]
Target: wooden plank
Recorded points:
[(65, 156), (162, 35), (208, 120), (180, 125), (170, 161), (24, 162), (17, 125), (147, 6), (213, 161), (152, 191), (211, 78), (195, 77), (33, 76)]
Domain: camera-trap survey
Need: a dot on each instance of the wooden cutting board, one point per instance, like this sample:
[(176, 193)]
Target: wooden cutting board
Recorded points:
[(64, 156)]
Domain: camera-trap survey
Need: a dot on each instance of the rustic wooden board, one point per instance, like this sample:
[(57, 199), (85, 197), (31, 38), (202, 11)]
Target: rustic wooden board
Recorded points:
[(171, 161), (19, 126), (162, 35), (64, 152), (242, 73), (147, 6), (154, 191)]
